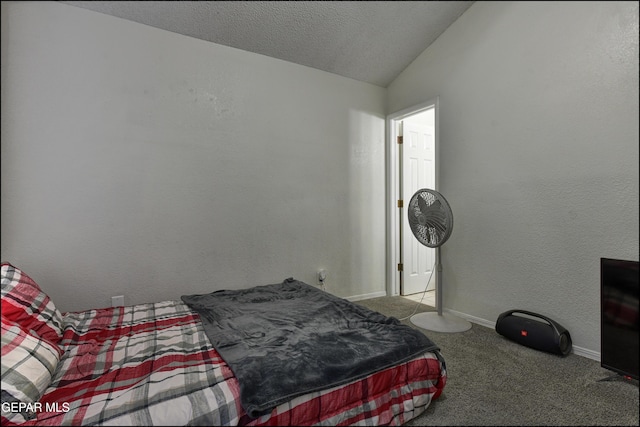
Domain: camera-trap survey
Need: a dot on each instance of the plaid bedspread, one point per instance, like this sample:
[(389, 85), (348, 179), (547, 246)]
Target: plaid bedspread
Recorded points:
[(152, 364)]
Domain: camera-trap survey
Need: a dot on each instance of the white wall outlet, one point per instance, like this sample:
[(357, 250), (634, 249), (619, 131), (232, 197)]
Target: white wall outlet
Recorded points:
[(117, 301), (322, 275)]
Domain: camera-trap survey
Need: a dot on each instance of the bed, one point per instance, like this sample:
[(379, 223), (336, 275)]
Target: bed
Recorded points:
[(156, 363)]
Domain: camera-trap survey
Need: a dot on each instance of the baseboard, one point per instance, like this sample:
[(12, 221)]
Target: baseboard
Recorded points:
[(472, 319), (585, 352), (579, 351), (366, 296)]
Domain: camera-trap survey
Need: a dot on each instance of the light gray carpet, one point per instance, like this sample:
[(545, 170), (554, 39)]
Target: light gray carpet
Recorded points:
[(493, 381)]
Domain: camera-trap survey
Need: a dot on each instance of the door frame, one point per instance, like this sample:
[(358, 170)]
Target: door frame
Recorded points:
[(393, 243)]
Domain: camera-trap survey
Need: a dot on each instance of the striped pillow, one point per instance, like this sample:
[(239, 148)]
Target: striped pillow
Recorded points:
[(28, 364), (24, 303)]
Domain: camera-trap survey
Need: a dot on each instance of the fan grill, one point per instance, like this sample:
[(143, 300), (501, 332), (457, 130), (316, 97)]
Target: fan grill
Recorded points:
[(430, 218)]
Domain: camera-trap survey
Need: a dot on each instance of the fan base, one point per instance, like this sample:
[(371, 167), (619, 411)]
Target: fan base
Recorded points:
[(444, 322)]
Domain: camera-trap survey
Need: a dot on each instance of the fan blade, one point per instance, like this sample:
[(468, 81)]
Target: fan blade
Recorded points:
[(413, 219), (422, 204), (437, 219)]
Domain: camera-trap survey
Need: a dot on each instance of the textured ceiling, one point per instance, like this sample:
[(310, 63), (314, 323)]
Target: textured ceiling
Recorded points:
[(370, 41)]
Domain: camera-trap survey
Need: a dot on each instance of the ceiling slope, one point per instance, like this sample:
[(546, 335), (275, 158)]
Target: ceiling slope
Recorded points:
[(370, 41)]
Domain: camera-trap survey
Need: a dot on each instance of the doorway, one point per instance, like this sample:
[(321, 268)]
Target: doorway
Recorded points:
[(412, 165)]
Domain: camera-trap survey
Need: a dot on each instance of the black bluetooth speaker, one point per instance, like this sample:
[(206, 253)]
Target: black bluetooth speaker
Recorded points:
[(544, 334)]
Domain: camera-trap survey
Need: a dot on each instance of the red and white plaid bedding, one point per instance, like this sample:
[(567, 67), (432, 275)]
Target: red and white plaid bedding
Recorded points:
[(152, 364)]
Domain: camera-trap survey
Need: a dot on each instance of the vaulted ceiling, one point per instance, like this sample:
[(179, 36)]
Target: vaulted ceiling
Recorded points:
[(370, 41)]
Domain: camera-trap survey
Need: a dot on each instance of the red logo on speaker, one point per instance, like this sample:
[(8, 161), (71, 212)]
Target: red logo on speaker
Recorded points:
[(524, 333)]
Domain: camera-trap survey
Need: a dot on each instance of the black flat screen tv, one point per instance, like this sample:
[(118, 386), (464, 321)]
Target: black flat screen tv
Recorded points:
[(619, 320)]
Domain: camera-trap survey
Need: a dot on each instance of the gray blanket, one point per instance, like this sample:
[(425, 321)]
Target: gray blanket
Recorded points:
[(288, 339)]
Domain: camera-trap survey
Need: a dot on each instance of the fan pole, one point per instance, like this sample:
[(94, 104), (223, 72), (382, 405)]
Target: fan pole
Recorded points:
[(438, 282), (439, 322)]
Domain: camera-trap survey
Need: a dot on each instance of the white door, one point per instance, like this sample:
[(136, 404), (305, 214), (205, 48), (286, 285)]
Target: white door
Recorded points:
[(418, 171)]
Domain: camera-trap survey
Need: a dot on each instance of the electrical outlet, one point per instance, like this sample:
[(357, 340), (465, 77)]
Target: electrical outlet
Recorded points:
[(117, 301), (322, 275)]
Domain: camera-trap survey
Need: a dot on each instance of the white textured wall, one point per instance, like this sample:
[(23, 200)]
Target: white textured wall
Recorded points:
[(141, 162), (538, 154)]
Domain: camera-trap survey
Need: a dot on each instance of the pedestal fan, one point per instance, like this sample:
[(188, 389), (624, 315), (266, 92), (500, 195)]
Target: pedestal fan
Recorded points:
[(431, 222)]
